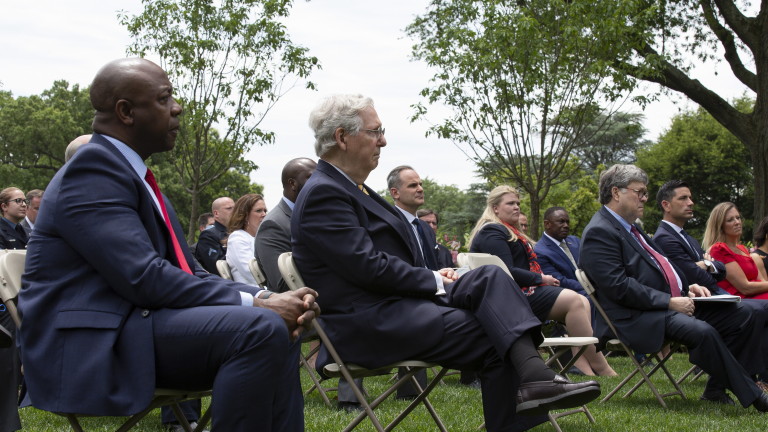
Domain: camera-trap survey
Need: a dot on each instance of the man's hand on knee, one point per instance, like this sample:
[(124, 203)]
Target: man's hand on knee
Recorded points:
[(297, 308)]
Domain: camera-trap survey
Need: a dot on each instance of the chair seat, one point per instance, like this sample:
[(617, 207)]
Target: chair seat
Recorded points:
[(334, 371), (569, 341)]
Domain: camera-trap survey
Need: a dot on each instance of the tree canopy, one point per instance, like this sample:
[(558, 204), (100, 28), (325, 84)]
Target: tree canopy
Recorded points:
[(230, 62), (521, 80), (35, 130), (701, 152)]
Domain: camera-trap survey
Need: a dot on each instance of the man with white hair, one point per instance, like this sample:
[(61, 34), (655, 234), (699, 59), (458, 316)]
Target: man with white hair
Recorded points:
[(380, 303)]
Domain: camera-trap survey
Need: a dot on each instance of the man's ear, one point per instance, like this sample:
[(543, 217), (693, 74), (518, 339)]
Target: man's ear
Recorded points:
[(124, 112), (340, 135), (665, 205), (394, 193)]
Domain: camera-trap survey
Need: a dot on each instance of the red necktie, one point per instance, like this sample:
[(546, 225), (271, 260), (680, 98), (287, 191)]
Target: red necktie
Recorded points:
[(150, 178), (669, 273)]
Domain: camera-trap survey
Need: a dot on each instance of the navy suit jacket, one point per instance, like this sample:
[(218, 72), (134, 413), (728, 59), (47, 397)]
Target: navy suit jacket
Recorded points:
[(628, 283), (493, 239), (272, 239), (555, 263), (358, 252), (10, 239), (99, 262), (684, 257)]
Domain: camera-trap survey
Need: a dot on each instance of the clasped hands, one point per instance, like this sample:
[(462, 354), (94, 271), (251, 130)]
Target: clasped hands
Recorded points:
[(297, 308), (685, 304)]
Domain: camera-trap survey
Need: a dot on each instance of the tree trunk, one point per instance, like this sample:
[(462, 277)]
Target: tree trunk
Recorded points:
[(193, 214), (533, 218)]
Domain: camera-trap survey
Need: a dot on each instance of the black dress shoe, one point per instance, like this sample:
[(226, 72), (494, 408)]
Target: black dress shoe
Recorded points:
[(538, 397), (721, 398), (761, 404), (350, 407)]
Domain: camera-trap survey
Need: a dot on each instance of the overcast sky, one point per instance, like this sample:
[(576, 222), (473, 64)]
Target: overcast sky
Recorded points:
[(360, 44)]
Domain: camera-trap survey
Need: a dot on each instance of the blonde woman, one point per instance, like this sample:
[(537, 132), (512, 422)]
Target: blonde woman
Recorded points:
[(722, 239), (246, 217), (497, 232)]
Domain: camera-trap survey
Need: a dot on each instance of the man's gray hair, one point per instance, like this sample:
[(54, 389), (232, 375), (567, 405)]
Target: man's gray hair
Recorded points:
[(619, 176), (333, 112), (393, 179)]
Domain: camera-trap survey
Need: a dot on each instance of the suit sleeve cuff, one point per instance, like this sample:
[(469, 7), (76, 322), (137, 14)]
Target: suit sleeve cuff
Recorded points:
[(439, 281)]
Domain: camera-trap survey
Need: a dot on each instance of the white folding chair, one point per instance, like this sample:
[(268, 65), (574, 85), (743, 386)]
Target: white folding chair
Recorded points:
[(224, 271), (338, 368), (617, 344), (11, 269), (253, 265), (556, 346)]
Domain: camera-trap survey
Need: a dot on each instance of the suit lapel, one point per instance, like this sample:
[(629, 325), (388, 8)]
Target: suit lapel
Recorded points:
[(630, 239), (373, 203), (557, 249), (679, 238)]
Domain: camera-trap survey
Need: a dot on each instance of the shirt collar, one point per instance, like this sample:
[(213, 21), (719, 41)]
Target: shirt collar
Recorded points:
[(621, 220), (130, 154), (553, 239), (13, 225), (410, 217), (675, 227), (289, 203)]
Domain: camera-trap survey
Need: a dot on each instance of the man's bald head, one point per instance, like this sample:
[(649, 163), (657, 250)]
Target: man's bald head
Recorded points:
[(74, 145), (295, 173), (133, 102), (222, 209)]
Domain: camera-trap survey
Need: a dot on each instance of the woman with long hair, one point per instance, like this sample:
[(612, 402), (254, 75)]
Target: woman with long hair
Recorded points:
[(246, 217), (497, 232), (744, 275)]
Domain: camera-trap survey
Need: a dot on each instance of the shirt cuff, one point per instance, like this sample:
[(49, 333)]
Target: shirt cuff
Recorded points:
[(247, 298), (440, 287)]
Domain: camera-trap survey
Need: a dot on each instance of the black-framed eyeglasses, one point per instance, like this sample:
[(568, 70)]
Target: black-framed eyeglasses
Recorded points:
[(641, 193), (19, 201), (377, 132)]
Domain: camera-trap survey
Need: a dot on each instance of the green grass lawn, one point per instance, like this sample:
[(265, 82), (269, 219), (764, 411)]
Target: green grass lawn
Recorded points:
[(461, 410)]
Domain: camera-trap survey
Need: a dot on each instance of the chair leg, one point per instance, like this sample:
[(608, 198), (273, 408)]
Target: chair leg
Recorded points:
[(74, 422)]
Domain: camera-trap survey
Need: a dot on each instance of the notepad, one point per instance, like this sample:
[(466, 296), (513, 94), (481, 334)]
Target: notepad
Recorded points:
[(726, 298)]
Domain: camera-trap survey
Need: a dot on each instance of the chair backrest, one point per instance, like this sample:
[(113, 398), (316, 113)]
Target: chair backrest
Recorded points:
[(289, 271), (474, 260), (590, 289), (223, 268), (256, 272), (11, 269)]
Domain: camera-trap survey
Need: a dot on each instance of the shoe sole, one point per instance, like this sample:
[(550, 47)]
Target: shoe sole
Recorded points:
[(571, 399)]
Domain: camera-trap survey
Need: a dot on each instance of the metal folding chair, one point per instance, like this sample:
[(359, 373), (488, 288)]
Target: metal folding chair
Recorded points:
[(617, 344), (224, 271), (557, 347), (338, 368), (11, 269)]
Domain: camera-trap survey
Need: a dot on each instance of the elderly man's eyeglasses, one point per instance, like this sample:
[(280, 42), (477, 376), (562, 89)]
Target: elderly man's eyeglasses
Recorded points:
[(641, 193), (378, 133), (19, 201)]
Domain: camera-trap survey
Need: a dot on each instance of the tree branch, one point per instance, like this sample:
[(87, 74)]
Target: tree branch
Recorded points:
[(728, 42)]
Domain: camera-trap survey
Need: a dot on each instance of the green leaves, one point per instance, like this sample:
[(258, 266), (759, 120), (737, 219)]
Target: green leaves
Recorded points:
[(230, 62)]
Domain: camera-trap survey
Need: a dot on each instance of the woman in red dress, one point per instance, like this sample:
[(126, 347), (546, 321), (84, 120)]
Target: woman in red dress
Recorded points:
[(743, 274)]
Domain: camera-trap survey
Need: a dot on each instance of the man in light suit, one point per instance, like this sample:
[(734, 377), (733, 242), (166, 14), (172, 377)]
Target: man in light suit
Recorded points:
[(553, 258), (381, 304), (113, 305), (274, 235), (650, 301)]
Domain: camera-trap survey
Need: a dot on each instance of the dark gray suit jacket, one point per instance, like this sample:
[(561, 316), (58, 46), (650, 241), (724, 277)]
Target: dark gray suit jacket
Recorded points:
[(272, 239)]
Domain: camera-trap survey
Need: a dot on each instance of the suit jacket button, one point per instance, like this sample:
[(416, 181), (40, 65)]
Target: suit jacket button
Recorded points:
[(145, 313)]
